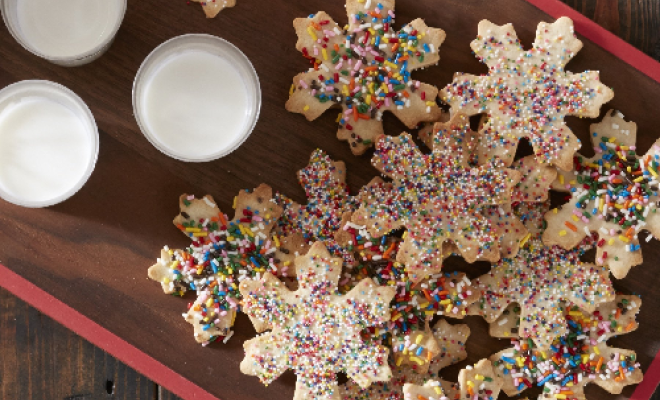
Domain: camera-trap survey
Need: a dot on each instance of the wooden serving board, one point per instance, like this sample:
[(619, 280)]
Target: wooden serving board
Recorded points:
[(85, 262)]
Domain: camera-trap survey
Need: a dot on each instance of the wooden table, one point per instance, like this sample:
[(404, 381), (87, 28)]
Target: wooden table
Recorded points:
[(39, 359)]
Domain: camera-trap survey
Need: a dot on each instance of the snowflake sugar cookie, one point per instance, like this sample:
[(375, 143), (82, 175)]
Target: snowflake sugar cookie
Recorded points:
[(222, 253), (533, 187), (539, 278), (437, 197), (614, 194), (316, 331), (365, 68), (579, 357), (527, 94)]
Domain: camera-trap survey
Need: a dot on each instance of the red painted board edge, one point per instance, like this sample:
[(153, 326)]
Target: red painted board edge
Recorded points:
[(602, 37), (100, 337), (182, 387), (645, 389)]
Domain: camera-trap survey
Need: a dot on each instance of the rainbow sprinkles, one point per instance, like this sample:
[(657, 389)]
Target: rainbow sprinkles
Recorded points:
[(579, 357), (221, 254), (614, 194)]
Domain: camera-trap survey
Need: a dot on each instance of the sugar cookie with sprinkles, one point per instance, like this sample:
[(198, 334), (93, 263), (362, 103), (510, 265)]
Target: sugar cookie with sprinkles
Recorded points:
[(613, 194), (213, 7), (579, 357), (451, 340), (539, 278), (437, 197), (199, 217), (527, 94), (328, 198), (222, 253), (315, 330), (533, 187), (365, 69), (478, 382)]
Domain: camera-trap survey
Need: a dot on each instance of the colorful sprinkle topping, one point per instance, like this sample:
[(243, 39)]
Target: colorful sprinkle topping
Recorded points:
[(324, 182), (614, 194), (578, 357), (223, 253), (437, 197), (316, 331)]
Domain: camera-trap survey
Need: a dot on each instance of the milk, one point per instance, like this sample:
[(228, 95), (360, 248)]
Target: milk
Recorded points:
[(67, 28), (196, 104), (196, 97), (44, 149)]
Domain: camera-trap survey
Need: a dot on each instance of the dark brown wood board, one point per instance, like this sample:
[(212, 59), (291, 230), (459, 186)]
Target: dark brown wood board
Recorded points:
[(41, 359), (92, 251)]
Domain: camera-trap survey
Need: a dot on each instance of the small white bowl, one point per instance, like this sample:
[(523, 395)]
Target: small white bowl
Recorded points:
[(21, 94), (54, 34), (158, 61)]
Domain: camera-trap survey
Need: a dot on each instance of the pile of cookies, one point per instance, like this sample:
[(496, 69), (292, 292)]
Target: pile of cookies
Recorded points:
[(351, 283)]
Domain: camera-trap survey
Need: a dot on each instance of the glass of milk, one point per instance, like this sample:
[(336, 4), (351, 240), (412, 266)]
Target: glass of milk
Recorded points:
[(65, 32), (196, 97), (49, 143)]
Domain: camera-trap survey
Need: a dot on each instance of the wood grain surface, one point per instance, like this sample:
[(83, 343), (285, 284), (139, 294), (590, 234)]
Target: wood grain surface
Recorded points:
[(92, 251), (40, 359), (636, 21)]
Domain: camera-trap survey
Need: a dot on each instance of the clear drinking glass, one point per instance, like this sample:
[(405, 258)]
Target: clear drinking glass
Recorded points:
[(86, 53), (38, 89), (213, 45)]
